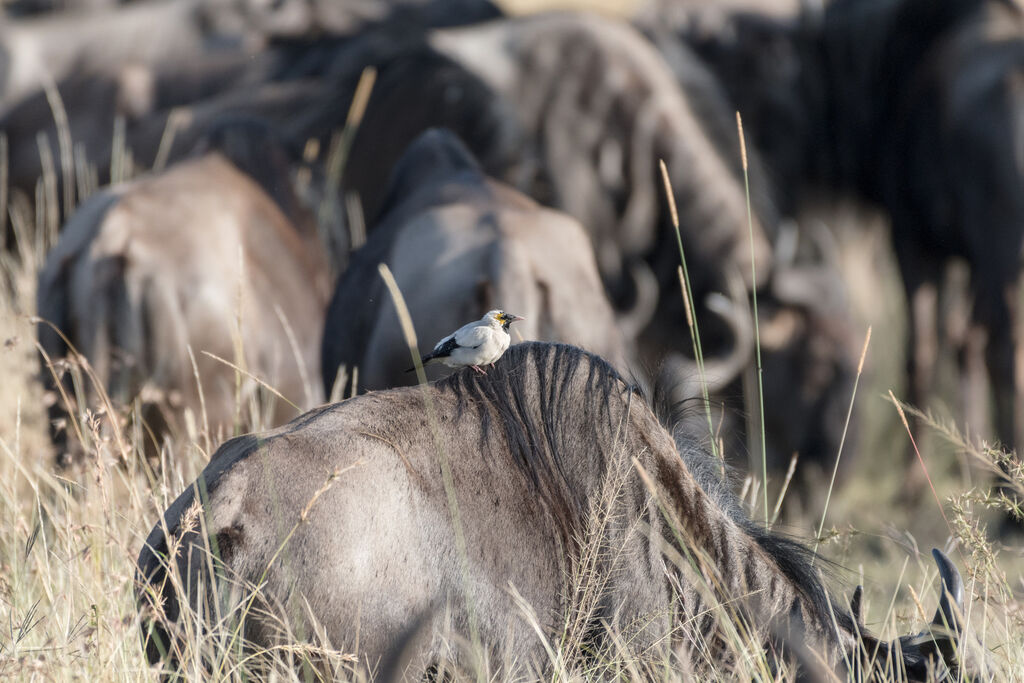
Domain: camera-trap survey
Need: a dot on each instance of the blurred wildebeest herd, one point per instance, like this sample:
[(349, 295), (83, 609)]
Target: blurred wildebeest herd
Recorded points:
[(209, 172)]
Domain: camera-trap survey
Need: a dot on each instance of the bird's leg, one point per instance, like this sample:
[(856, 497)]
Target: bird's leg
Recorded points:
[(479, 369)]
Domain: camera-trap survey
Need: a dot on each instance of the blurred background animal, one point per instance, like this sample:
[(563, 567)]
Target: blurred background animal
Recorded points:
[(573, 109), (144, 214), (912, 106), (460, 244), (160, 282)]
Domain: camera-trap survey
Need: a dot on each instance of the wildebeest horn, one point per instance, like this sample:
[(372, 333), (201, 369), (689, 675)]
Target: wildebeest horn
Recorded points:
[(719, 372), (633, 321), (942, 639), (952, 586), (807, 287)]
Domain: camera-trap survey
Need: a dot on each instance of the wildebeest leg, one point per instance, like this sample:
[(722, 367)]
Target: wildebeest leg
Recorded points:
[(974, 378), (923, 351), (1001, 361), (921, 273), (998, 313)]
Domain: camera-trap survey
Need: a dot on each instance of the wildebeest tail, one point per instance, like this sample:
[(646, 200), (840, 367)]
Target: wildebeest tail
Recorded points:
[(58, 323)]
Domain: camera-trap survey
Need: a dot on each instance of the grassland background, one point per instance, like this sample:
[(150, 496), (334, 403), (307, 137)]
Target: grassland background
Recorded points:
[(68, 540)]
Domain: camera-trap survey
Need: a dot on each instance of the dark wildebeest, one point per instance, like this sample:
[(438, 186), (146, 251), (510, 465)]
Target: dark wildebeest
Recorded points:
[(102, 40), (914, 106), (206, 258), (600, 107), (486, 90), (460, 243), (595, 157), (573, 500), (207, 59)]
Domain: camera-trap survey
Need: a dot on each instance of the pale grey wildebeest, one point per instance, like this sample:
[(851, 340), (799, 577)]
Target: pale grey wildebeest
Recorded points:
[(572, 499), (460, 244), (153, 278)]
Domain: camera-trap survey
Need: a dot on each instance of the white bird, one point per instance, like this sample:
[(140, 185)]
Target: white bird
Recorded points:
[(475, 344)]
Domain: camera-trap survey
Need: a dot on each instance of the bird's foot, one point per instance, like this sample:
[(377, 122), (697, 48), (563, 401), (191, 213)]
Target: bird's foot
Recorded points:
[(479, 369)]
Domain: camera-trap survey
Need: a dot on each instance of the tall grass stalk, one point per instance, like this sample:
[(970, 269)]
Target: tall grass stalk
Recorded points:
[(341, 144), (4, 174), (691, 312), (757, 329), (446, 473), (64, 142), (920, 460), (177, 120), (842, 439)]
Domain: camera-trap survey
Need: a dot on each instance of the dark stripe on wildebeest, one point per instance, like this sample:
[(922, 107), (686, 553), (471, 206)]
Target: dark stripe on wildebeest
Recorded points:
[(533, 447), (500, 403)]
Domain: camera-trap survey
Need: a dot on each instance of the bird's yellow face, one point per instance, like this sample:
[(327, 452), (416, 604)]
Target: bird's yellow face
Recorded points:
[(505, 318)]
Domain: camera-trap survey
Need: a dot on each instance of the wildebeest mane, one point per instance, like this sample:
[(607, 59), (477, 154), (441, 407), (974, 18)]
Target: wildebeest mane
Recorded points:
[(538, 435), (716, 478), (538, 438)]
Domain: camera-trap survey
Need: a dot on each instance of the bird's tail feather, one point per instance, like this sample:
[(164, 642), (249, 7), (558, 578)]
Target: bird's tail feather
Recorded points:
[(423, 361)]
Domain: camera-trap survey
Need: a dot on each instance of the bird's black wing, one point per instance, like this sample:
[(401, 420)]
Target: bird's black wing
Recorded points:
[(442, 350)]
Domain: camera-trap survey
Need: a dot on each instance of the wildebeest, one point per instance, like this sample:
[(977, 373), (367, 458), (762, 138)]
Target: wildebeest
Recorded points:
[(342, 520), (91, 102), (488, 86), (155, 32), (208, 59), (151, 276), (593, 153), (460, 244), (914, 106), (49, 48), (601, 108)]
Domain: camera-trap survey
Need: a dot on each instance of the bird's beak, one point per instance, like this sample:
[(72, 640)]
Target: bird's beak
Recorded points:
[(514, 318)]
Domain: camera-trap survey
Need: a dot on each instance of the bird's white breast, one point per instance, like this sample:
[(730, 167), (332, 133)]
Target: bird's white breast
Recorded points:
[(495, 343)]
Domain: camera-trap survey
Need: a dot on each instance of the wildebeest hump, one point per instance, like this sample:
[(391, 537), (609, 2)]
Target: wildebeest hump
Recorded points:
[(459, 244)]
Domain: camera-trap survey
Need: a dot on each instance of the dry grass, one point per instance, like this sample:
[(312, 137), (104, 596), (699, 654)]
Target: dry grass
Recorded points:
[(69, 540)]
